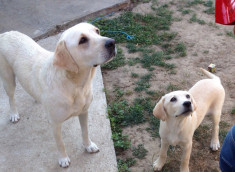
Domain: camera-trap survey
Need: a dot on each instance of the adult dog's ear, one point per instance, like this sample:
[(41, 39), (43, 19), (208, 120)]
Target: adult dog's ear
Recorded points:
[(159, 110), (63, 58), (194, 103)]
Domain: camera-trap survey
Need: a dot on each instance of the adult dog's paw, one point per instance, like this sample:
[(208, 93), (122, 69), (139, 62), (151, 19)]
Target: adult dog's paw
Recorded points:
[(92, 148), (64, 162), (14, 118), (215, 145)]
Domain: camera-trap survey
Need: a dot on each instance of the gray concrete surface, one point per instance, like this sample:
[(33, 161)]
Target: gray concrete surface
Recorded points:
[(37, 17), (30, 146)]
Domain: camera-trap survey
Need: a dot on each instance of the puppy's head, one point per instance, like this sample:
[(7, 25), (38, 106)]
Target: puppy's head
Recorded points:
[(174, 104), (83, 46)]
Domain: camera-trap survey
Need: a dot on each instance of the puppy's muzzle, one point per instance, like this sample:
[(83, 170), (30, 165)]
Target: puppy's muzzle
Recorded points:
[(187, 109), (110, 46)]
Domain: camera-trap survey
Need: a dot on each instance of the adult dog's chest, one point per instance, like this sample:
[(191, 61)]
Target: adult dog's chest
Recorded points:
[(81, 101)]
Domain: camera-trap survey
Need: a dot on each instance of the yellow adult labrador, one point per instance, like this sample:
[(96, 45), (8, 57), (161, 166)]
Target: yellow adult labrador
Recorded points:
[(60, 80), (181, 112)]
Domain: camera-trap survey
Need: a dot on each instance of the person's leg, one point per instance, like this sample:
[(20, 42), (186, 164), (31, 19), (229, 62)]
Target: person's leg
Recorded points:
[(227, 154)]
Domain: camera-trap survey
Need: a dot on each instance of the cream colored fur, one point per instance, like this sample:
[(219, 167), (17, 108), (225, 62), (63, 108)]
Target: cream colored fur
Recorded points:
[(181, 112), (61, 80)]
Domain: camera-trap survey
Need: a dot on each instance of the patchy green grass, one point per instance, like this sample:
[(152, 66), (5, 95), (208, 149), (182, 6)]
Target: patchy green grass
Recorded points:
[(147, 30), (155, 95), (180, 48), (142, 27), (194, 19), (134, 75), (121, 142), (143, 83), (154, 126), (171, 87), (124, 165), (185, 11), (139, 151)]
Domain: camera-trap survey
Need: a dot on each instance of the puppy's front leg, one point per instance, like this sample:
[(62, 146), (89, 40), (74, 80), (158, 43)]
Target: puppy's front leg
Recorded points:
[(159, 163), (89, 145), (184, 167), (64, 160)]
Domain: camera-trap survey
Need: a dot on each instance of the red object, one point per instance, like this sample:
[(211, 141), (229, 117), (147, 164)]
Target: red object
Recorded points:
[(225, 12)]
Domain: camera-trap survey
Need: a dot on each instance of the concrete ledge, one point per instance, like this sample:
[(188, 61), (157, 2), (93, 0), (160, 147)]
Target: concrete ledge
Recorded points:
[(30, 146)]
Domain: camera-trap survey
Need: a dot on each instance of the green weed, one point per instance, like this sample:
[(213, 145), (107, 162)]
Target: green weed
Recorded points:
[(133, 61), (194, 2), (139, 151), (155, 94), (154, 126), (171, 87), (143, 83), (180, 48), (211, 8), (195, 19), (134, 75), (124, 165), (185, 11)]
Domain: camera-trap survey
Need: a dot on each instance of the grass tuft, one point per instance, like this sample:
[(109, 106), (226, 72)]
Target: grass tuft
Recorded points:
[(124, 165), (139, 151)]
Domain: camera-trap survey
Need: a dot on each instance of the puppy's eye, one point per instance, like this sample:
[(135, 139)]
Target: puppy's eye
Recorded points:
[(173, 99), (188, 96), (97, 31), (83, 40)]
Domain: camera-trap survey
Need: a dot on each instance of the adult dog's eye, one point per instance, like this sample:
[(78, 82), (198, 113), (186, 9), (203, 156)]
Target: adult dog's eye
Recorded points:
[(173, 99), (188, 96), (97, 31), (83, 40)]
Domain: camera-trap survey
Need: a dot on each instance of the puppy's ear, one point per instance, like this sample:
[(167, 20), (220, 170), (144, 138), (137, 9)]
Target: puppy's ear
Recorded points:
[(194, 103), (159, 110), (63, 58)]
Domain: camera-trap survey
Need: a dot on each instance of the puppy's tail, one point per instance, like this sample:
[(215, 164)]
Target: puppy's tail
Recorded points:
[(210, 75)]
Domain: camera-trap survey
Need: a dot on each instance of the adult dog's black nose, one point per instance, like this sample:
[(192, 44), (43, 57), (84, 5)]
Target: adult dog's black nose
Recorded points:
[(110, 45), (187, 104)]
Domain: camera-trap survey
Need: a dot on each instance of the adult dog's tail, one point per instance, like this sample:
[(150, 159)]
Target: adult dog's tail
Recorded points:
[(210, 75)]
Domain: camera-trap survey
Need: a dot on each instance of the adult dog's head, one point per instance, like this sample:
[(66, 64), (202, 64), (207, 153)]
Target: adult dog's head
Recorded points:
[(174, 104), (83, 46)]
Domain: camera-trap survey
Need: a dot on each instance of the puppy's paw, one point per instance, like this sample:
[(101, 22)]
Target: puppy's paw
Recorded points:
[(215, 145), (92, 148), (64, 162), (157, 165), (14, 118)]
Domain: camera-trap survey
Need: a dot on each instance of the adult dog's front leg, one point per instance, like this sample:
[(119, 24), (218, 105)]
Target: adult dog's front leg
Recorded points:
[(184, 167), (64, 160), (89, 145), (159, 163)]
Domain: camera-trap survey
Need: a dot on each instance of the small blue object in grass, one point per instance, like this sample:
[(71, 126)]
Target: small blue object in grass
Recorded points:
[(128, 37)]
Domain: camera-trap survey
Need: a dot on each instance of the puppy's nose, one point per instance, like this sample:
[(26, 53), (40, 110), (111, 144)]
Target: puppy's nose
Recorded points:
[(187, 104), (110, 44)]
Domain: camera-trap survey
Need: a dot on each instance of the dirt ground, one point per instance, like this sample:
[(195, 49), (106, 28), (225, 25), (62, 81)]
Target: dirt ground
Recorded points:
[(206, 44)]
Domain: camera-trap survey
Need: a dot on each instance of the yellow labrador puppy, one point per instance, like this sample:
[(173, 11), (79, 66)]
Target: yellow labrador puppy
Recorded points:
[(181, 112), (60, 80)]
